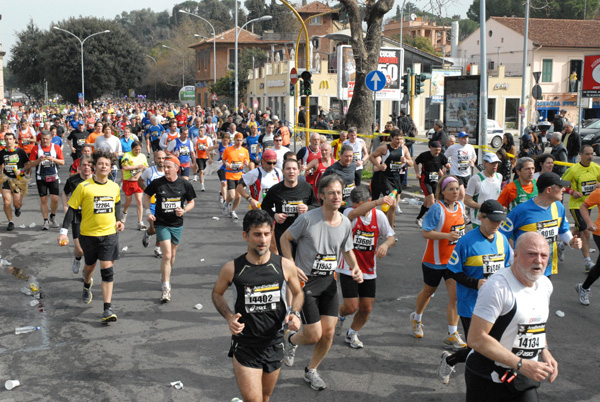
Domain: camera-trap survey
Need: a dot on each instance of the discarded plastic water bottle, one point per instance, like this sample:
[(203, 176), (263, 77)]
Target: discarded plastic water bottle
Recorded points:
[(236, 400), (26, 291), (25, 330), (413, 201), (32, 225), (34, 302), (5, 262)]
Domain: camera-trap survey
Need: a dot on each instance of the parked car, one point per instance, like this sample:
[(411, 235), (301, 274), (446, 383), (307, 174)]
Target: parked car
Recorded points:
[(495, 132), (591, 135)]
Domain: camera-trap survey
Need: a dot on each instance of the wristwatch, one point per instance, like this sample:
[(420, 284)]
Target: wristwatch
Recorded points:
[(297, 314), (519, 364)]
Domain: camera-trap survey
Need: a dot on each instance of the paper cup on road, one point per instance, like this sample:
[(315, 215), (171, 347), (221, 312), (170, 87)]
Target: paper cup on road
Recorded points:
[(177, 384), (10, 384)]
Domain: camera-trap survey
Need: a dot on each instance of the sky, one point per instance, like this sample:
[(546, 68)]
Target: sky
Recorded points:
[(18, 13)]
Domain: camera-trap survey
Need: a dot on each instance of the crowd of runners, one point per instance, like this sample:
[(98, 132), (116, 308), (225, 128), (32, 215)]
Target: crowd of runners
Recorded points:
[(494, 238)]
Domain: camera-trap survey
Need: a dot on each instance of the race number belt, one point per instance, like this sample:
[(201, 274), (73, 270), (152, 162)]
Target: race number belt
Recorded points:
[(253, 148), (492, 263), (396, 166), (260, 299), (530, 340), (170, 204), (434, 176), (236, 165), (461, 232), (364, 241), (548, 229), (104, 205), (324, 265)]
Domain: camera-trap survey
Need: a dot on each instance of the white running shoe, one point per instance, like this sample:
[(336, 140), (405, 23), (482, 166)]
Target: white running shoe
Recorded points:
[(289, 350), (445, 369), (166, 295), (589, 264), (225, 210), (234, 215), (419, 222), (584, 294), (315, 380), (202, 187), (353, 341), (142, 226), (124, 217), (196, 178)]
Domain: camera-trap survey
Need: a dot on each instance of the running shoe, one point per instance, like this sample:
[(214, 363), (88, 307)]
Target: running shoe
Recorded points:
[(145, 239), (455, 341), (221, 200), (561, 251), (17, 212), (225, 210), (166, 295), (87, 293), (141, 226), (417, 326), (339, 325), (124, 217), (202, 187), (11, 226), (109, 316), (289, 350), (419, 222), (398, 209), (589, 264), (46, 225), (234, 215), (76, 265), (315, 380), (353, 341), (195, 177), (157, 253), (584, 294), (53, 221), (445, 369)]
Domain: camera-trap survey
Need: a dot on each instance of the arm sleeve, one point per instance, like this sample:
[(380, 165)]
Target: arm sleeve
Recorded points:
[(68, 218), (268, 203)]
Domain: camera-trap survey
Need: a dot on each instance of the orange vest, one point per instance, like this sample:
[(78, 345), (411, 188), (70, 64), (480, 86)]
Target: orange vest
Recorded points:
[(438, 252), (201, 153)]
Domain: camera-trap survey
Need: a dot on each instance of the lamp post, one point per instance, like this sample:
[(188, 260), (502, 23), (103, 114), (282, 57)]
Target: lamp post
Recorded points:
[(182, 63), (82, 42), (156, 63), (237, 34), (214, 42)]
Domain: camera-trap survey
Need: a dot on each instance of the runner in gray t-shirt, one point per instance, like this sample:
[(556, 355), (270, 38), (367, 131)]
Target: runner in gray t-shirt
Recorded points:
[(322, 235)]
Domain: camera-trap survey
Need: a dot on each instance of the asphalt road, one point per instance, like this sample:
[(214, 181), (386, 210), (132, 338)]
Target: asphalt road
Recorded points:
[(75, 358)]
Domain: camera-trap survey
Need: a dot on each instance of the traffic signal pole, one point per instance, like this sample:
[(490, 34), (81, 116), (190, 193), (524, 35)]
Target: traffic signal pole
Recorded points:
[(412, 94)]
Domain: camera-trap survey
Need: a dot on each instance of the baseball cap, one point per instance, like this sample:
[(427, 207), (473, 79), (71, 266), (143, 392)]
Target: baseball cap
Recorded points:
[(81, 123), (493, 210), (173, 159), (490, 157), (275, 117), (550, 179), (462, 134), (269, 154)]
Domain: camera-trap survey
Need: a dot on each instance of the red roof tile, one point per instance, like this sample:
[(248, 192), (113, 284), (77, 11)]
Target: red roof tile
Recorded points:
[(245, 37), (557, 33), (314, 8)]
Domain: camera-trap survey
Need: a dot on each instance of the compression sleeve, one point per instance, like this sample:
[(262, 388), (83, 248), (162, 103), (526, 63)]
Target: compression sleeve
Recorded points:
[(68, 218), (118, 211)]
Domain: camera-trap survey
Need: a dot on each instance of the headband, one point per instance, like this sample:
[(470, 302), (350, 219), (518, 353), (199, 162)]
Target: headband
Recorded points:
[(447, 181)]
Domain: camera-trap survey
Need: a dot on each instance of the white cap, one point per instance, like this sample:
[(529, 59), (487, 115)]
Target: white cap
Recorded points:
[(275, 117), (490, 157)]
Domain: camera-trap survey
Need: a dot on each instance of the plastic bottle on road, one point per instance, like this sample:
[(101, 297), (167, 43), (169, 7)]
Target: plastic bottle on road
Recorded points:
[(386, 207), (25, 330)]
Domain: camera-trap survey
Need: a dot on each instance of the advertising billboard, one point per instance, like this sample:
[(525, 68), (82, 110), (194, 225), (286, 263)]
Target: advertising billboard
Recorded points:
[(591, 77), (461, 106), (391, 64), (437, 82), (187, 95)]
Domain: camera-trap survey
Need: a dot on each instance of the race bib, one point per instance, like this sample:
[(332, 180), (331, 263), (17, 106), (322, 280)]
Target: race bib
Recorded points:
[(396, 166), (10, 168), (492, 263), (324, 265), (290, 207), (134, 172), (588, 186), (548, 229), (347, 190), (184, 150), (461, 231), (260, 299), (47, 163), (434, 176), (170, 204), (364, 241), (253, 148), (356, 156), (236, 165), (530, 340), (26, 142), (80, 142), (463, 162), (104, 205)]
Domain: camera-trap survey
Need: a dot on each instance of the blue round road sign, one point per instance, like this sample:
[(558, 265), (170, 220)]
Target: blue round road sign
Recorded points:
[(375, 81)]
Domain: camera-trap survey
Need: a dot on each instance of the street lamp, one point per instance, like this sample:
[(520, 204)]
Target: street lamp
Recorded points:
[(214, 42), (182, 63), (82, 42), (155, 62), (237, 34)]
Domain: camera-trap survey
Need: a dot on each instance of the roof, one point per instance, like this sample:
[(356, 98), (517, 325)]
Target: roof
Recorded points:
[(556, 33), (314, 8), (245, 37)]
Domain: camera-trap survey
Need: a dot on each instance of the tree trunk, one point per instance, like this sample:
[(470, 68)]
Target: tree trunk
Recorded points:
[(366, 54)]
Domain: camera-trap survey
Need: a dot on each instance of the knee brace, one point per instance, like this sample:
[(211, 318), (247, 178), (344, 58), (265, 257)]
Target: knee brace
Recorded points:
[(107, 274)]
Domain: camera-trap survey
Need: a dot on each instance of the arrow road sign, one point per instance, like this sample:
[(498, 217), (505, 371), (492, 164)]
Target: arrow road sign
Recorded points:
[(375, 81)]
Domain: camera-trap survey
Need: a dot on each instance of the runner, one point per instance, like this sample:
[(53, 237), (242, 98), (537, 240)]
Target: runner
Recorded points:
[(319, 166), (279, 149), (111, 143), (544, 214), (183, 149), (584, 177), (462, 158), (148, 175), (307, 154), (478, 254), (260, 180), (443, 225), (153, 134), (47, 157), (253, 147), (257, 326), (344, 168), (336, 144), (434, 165), (203, 143), (171, 135), (361, 155), (234, 160), (266, 139), (134, 163), (77, 140), (84, 173), (522, 189), (368, 226), (483, 186), (86, 149), (583, 289), (91, 139), (99, 199), (221, 147), (27, 138), (322, 234), (13, 164), (174, 198), (508, 329)]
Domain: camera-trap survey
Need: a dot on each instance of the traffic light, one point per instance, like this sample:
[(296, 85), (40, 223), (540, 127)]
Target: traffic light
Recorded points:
[(292, 89), (406, 84), (232, 88), (307, 81), (420, 83)]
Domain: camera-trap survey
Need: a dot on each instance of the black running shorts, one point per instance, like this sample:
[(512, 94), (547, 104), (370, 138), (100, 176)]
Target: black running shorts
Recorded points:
[(352, 289), (103, 248), (320, 298), (267, 358), (433, 277)]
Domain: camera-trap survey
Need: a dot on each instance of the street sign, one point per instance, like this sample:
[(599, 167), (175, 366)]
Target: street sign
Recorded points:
[(255, 104), (214, 97), (536, 92), (375, 80), (536, 76), (4, 101), (294, 76), (80, 95)]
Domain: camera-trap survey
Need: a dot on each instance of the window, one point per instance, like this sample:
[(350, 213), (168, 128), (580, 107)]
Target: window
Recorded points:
[(230, 65), (511, 113), (315, 21), (492, 108), (547, 70)]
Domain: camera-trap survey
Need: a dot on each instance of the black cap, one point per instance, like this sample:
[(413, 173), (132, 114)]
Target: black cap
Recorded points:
[(550, 179), (435, 144), (493, 210)]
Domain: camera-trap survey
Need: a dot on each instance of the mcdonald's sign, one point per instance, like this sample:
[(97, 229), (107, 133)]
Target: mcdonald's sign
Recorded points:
[(324, 85)]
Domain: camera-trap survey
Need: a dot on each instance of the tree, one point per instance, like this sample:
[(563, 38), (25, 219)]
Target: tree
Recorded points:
[(223, 88), (421, 42), (366, 55), (466, 27), (246, 63), (283, 20), (145, 26), (555, 9), (111, 60), (25, 62)]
